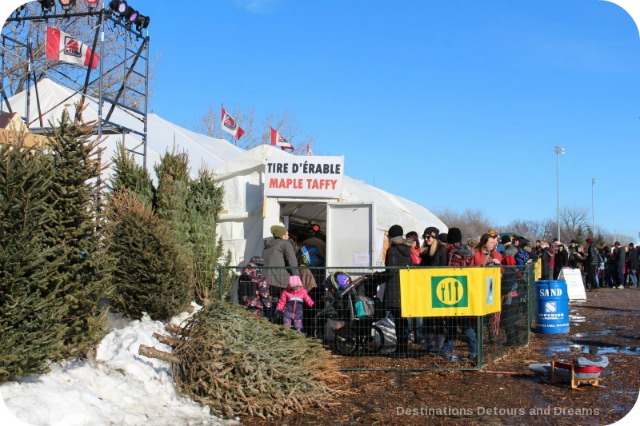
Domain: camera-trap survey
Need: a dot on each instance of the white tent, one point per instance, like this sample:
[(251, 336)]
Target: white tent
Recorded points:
[(248, 214), (354, 222), (162, 135)]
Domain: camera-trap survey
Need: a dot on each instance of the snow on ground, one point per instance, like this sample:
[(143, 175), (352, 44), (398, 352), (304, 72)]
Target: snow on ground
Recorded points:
[(119, 388)]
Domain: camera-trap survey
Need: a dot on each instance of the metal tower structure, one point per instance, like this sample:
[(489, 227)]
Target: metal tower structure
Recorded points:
[(119, 83)]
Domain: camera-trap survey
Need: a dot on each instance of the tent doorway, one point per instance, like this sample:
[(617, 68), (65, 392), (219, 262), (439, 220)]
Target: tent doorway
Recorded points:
[(347, 229)]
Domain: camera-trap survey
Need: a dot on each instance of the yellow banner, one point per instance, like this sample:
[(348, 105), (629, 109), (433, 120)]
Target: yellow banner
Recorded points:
[(445, 292)]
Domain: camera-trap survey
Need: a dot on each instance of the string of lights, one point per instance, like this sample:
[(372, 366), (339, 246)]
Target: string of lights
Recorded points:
[(119, 8)]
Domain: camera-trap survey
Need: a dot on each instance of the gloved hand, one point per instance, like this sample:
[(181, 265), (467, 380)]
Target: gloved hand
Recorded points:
[(274, 316)]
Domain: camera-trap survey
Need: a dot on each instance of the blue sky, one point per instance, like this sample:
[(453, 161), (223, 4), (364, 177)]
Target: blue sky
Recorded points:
[(455, 103)]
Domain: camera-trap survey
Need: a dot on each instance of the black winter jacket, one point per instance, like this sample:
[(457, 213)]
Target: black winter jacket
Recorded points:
[(398, 254), (279, 252)]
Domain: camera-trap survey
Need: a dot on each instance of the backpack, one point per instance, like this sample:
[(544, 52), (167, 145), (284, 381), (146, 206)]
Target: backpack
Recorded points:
[(364, 307), (460, 256), (309, 255)]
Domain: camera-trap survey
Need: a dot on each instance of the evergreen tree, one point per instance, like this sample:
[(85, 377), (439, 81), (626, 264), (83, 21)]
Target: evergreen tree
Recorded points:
[(129, 175), (172, 196), (31, 309), (151, 273), (204, 206), (78, 228)]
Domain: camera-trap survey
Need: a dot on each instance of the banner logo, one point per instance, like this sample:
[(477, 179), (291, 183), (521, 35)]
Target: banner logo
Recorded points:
[(449, 292)]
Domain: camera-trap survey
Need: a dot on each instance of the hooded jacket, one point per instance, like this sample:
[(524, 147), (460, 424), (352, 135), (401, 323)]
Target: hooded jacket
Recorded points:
[(279, 253), (398, 254), (295, 293)]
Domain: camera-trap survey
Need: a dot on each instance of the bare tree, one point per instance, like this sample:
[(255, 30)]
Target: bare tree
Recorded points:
[(571, 220), (255, 134), (472, 223)]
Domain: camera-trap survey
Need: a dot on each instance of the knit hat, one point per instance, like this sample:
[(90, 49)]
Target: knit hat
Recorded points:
[(431, 231), (396, 231), (443, 237), (294, 281), (589, 240), (278, 230), (505, 239), (257, 260), (454, 236)]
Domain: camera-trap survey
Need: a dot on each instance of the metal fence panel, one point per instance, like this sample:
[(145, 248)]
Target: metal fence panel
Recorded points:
[(349, 315)]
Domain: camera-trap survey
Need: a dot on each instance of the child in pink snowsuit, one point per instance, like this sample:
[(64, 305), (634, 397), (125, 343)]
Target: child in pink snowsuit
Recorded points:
[(291, 302)]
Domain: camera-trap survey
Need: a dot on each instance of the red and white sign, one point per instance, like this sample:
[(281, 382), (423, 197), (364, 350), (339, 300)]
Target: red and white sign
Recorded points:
[(229, 125), (304, 177), (61, 46), (278, 140)]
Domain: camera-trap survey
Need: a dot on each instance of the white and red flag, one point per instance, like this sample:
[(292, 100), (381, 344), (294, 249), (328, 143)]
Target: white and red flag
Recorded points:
[(278, 140), (309, 152), (229, 125), (62, 47)]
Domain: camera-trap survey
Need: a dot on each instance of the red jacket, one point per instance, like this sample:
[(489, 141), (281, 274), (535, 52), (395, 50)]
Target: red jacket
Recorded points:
[(298, 293), (480, 259)]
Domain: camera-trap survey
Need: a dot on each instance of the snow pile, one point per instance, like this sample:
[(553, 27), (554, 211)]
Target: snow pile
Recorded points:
[(119, 387)]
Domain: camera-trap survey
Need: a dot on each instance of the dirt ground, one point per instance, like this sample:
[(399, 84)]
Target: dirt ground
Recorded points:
[(505, 391)]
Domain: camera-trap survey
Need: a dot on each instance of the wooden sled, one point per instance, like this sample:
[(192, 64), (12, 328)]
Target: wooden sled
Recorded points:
[(562, 371)]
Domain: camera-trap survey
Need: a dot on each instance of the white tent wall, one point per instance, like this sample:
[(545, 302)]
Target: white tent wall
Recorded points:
[(162, 135), (246, 219)]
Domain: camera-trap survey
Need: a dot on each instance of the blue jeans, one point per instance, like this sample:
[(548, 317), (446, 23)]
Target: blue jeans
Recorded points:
[(634, 279), (415, 325), (472, 339)]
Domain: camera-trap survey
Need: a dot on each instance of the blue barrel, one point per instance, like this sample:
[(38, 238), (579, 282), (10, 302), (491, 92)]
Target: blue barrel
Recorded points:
[(552, 307)]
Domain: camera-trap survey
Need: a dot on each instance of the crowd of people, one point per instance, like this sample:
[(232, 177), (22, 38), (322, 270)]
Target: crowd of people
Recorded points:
[(613, 266), (278, 284)]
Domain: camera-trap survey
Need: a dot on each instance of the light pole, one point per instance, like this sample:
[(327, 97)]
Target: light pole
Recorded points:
[(593, 210), (559, 150)]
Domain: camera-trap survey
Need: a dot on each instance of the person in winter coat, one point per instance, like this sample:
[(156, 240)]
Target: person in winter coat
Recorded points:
[(546, 254), (415, 250), (279, 253), (485, 253), (510, 250), (632, 265), (459, 255), (560, 260), (253, 290), (433, 252), (291, 303), (415, 324), (619, 259), (592, 264), (398, 254), (577, 258)]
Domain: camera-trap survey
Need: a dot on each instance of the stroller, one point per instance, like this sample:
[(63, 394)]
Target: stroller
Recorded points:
[(351, 315)]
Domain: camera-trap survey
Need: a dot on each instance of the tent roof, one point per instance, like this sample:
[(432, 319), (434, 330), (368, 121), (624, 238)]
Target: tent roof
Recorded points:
[(162, 135), (223, 158)]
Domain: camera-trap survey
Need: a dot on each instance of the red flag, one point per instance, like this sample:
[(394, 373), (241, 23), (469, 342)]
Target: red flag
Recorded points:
[(278, 140), (229, 125), (62, 47), (309, 152)]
